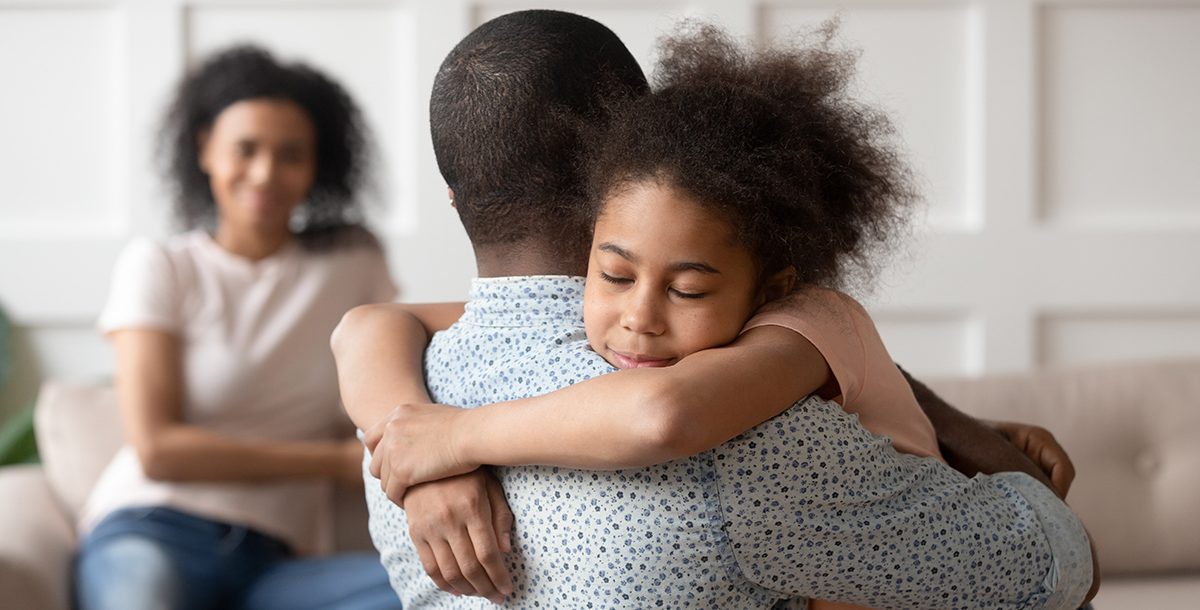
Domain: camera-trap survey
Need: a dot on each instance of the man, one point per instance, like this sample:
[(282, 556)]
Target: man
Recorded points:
[(803, 506)]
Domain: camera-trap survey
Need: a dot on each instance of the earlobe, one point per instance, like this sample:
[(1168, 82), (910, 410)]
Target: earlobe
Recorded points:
[(779, 285), (450, 193)]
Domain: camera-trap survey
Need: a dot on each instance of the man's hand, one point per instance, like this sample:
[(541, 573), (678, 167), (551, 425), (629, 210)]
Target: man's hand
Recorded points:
[(1040, 446), (415, 444), (461, 526)]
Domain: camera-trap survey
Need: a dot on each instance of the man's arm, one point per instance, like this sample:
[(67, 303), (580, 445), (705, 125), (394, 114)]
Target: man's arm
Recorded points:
[(815, 506), (969, 445)]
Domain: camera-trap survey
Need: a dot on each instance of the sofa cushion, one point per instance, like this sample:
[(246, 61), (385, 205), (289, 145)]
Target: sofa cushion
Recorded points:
[(78, 431), (1133, 432), (37, 542)]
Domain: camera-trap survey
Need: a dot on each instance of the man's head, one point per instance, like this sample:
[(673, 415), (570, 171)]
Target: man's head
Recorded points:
[(509, 106)]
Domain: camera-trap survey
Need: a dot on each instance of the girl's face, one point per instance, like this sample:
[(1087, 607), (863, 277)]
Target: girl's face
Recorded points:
[(664, 279), (260, 157)]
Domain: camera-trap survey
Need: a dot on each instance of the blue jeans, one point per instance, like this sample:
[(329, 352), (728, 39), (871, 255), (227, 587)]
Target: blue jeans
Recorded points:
[(143, 558)]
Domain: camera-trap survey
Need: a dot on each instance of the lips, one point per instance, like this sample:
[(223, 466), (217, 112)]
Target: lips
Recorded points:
[(637, 361)]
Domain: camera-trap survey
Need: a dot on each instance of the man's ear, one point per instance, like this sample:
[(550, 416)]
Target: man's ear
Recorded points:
[(202, 138), (779, 285)]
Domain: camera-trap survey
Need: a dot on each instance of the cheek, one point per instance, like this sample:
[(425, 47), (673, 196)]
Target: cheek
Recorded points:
[(709, 327), (597, 313), (299, 179)]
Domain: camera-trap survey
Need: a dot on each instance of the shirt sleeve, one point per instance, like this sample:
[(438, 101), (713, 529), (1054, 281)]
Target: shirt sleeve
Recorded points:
[(143, 292), (814, 506)]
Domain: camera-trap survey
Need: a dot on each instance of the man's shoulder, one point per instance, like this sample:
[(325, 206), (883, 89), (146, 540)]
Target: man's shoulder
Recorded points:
[(475, 364)]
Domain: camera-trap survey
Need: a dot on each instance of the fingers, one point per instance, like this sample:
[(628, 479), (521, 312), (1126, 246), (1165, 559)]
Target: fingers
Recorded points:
[(372, 436), (377, 460), (447, 566), (1062, 475), (472, 550), (487, 552), (394, 488), (1054, 460), (1044, 449), (430, 565), (502, 517)]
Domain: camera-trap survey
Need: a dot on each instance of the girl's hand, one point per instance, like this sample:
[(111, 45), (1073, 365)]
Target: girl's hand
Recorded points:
[(1040, 446), (461, 527), (415, 444)]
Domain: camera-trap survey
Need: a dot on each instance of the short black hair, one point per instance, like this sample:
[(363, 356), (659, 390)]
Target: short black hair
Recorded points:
[(771, 141), (508, 108), (332, 213)]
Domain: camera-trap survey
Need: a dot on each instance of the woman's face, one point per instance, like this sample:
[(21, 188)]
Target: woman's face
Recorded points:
[(260, 157), (664, 279)]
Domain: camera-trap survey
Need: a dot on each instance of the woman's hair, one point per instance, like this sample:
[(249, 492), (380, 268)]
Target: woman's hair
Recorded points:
[(332, 214), (770, 141)]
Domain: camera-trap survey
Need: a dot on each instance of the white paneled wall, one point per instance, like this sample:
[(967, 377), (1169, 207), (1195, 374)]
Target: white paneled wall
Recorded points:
[(1057, 143)]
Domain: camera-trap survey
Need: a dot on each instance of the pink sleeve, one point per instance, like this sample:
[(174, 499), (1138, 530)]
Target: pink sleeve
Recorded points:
[(143, 292), (870, 384)]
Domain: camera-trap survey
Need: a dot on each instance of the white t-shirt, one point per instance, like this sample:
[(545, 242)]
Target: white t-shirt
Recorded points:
[(256, 365)]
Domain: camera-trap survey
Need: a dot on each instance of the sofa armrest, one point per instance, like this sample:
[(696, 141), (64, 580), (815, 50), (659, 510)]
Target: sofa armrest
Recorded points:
[(37, 542)]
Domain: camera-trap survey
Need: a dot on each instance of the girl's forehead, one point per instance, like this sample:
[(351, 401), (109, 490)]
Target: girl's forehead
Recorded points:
[(652, 222)]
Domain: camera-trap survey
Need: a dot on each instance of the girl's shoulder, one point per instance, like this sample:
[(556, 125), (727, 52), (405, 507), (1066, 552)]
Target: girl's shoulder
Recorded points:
[(816, 301)]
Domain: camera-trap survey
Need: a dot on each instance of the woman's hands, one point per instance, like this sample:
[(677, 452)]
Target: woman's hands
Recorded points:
[(416, 443)]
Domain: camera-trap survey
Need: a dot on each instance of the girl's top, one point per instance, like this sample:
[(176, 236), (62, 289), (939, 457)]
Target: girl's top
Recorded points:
[(256, 365), (870, 385)]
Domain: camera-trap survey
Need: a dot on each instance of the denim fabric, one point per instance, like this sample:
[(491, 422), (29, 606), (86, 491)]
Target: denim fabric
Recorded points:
[(157, 557)]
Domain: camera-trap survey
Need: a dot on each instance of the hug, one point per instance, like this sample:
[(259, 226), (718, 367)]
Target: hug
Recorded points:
[(659, 391)]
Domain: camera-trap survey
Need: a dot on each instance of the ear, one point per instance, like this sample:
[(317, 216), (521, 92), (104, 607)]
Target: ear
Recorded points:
[(202, 138), (450, 193), (779, 285)]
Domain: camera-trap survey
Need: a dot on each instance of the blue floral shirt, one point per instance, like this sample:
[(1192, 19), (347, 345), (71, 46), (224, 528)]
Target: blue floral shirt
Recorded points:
[(807, 505)]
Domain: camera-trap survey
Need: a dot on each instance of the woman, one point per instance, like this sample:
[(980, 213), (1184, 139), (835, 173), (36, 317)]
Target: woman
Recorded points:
[(226, 386)]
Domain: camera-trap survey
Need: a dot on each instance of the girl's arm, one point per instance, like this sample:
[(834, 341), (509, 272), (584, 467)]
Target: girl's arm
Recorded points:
[(627, 419), (379, 350), (149, 385), (639, 417)]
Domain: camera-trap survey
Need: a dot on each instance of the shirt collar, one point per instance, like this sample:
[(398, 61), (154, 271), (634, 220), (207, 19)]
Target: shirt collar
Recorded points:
[(525, 300)]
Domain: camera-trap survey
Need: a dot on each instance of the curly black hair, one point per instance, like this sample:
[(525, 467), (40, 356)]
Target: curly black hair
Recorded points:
[(772, 142), (332, 213), (506, 113)]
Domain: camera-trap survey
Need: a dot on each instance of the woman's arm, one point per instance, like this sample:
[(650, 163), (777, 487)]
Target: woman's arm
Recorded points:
[(379, 350), (626, 419), (149, 386)]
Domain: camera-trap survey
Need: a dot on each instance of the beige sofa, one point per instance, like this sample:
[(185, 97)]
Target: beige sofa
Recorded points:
[(77, 433), (1133, 431)]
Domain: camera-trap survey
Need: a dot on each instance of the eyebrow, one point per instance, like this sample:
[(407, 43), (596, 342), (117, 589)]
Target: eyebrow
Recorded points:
[(679, 266)]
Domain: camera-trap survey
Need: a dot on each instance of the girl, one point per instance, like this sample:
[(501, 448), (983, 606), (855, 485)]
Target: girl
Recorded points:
[(222, 493)]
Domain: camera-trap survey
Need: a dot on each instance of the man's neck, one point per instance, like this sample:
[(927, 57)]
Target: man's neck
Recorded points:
[(526, 258)]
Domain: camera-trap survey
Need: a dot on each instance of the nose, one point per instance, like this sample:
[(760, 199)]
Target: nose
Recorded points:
[(263, 168), (642, 312)]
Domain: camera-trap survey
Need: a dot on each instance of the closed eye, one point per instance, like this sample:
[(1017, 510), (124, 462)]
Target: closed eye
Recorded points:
[(688, 295), (615, 280)]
